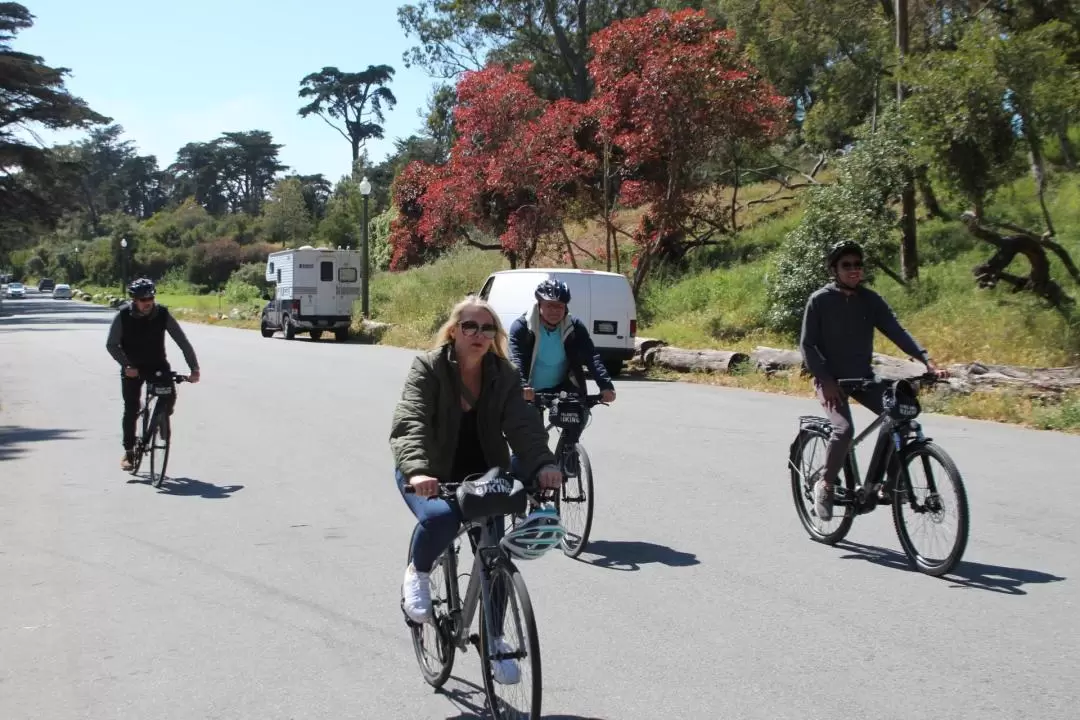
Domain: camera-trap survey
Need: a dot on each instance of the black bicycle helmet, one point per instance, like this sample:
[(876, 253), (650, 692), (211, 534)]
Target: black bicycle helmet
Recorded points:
[(842, 248), (553, 290), (142, 288)]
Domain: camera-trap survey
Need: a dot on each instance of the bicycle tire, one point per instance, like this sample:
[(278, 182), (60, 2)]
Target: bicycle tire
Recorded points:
[(963, 513), (446, 650), (585, 484), (139, 450), (798, 491), (513, 576), (160, 432)]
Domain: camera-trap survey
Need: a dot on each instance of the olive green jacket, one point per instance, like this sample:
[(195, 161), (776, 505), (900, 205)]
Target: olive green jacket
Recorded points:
[(424, 433)]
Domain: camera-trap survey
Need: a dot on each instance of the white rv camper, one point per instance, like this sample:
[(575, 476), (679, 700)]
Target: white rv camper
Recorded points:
[(315, 289)]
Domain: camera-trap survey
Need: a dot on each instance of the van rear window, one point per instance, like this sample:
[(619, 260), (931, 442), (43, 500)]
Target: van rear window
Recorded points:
[(346, 275)]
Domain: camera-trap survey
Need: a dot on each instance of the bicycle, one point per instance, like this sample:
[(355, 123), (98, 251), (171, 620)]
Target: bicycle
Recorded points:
[(156, 426), (571, 414), (493, 578), (900, 443)]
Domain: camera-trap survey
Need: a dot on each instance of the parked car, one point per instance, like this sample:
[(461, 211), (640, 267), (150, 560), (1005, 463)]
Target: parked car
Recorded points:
[(15, 290), (62, 292), (46, 285)]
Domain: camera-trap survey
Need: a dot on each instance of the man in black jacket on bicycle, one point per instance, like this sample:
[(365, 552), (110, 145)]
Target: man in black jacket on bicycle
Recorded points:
[(137, 342), (838, 343)]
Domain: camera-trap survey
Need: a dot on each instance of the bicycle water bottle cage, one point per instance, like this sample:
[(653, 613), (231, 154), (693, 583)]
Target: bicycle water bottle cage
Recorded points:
[(493, 493), (900, 401)]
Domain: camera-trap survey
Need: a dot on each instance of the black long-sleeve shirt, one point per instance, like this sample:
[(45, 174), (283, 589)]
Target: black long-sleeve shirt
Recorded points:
[(838, 332), (112, 344)]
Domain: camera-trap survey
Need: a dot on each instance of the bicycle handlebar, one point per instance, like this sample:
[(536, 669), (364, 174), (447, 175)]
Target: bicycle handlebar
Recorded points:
[(545, 399), (851, 384), (447, 491), (176, 377)]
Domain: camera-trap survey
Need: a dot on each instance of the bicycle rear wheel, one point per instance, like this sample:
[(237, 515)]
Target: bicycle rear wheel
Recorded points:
[(932, 506), (517, 629), (807, 462), (433, 641), (159, 448), (576, 501)]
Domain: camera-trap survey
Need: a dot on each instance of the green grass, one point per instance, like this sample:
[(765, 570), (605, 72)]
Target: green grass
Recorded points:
[(417, 302)]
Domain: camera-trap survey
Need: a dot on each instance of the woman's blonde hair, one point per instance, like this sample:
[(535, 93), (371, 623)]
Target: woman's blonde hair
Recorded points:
[(445, 334)]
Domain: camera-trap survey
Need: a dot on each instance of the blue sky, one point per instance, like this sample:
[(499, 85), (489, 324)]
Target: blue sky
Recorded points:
[(177, 72)]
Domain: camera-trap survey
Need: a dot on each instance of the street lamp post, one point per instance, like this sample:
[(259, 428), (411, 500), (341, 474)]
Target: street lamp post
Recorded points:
[(365, 190), (123, 264)]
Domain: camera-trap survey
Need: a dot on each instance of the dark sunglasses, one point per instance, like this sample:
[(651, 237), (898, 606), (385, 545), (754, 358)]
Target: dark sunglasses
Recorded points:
[(851, 266), (469, 328)]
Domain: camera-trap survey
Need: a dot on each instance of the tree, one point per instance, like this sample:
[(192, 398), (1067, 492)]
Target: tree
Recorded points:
[(673, 91), (250, 164), (287, 219), (552, 35), (513, 168), (234, 172), (31, 94), (354, 99)]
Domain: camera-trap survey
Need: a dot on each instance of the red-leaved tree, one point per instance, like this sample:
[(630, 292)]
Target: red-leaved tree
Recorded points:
[(672, 93), (509, 175)]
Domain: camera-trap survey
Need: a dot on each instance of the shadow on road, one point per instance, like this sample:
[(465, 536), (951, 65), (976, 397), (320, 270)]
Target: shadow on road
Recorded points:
[(994, 578), (630, 555), (13, 437), (471, 702), (189, 487)]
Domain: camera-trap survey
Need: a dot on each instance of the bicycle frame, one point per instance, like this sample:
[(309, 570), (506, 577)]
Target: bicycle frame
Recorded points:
[(892, 437), (486, 554)]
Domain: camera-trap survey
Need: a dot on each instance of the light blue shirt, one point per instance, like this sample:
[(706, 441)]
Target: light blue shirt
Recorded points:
[(549, 370)]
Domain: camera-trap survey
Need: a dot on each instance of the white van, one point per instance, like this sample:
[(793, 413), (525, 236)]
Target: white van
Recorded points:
[(603, 301), (315, 289)]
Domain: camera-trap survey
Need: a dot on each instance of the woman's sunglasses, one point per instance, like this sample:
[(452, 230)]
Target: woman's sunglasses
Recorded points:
[(851, 266), (469, 328)]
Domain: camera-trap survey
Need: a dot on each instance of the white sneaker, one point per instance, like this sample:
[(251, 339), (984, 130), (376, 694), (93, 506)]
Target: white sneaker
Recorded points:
[(416, 593), (505, 671)]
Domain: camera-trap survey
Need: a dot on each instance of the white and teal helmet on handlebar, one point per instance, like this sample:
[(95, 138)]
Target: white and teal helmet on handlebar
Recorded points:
[(535, 535)]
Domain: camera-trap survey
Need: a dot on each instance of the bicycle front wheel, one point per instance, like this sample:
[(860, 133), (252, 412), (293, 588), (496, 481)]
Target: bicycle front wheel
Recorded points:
[(510, 646), (433, 641), (931, 510), (159, 449), (576, 501)]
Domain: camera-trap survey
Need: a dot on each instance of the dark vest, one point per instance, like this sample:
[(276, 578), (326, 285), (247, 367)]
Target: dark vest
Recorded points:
[(143, 338)]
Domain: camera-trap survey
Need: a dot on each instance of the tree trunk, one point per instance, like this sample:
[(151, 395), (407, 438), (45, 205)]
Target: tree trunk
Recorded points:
[(1038, 280), (1068, 156), (1038, 169), (909, 249), (929, 199)]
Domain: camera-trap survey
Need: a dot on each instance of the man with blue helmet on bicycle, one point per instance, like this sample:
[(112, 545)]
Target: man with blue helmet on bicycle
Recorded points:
[(137, 342), (550, 347)]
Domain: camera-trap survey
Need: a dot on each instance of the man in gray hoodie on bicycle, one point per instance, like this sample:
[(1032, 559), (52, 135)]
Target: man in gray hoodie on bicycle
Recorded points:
[(838, 343)]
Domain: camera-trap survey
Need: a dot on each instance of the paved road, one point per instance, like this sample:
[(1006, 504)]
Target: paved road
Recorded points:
[(262, 582)]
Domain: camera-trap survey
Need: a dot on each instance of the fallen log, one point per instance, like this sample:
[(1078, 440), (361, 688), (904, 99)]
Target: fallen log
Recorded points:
[(769, 360), (643, 344), (978, 376), (681, 360)]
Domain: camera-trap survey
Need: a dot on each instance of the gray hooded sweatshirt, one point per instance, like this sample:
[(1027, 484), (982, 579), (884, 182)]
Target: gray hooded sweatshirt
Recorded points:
[(838, 332)]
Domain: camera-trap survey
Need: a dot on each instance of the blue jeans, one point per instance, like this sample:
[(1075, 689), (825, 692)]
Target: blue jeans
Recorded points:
[(437, 526)]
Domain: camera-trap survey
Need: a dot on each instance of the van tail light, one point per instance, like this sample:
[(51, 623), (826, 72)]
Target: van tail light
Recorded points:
[(633, 328), (296, 307)]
